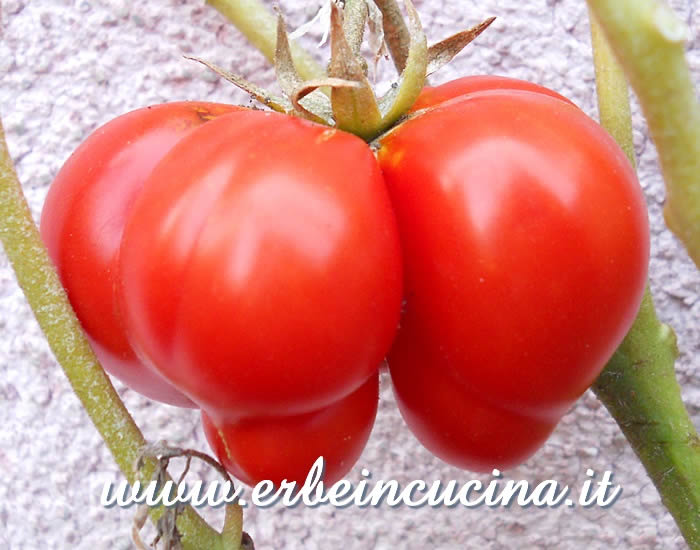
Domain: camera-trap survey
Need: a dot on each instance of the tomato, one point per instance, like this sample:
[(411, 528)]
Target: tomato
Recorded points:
[(276, 448), (272, 279), (525, 248), (83, 220)]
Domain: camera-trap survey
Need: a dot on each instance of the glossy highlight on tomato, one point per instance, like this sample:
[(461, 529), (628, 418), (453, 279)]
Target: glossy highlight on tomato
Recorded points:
[(525, 246), (83, 221)]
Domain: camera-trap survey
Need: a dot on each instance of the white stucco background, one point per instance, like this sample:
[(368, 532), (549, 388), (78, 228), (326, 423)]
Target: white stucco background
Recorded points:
[(69, 65)]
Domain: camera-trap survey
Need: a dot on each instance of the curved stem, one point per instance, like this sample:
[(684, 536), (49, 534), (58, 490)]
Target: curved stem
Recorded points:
[(649, 41), (638, 385), (39, 281), (259, 26), (232, 532)]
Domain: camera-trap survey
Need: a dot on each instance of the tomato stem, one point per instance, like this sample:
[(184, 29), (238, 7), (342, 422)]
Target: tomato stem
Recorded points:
[(639, 386), (232, 535), (259, 26), (614, 109), (40, 283), (649, 41)]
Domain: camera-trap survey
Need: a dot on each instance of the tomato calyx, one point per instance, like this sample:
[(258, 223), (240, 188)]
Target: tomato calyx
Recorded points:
[(344, 98)]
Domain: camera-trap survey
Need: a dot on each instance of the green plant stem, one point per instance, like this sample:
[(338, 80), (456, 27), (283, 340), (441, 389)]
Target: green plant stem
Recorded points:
[(232, 531), (259, 26), (613, 93), (39, 281), (649, 41), (638, 385)]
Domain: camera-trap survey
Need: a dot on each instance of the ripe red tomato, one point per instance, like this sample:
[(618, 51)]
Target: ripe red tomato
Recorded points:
[(525, 247), (260, 268), (276, 448), (83, 220)]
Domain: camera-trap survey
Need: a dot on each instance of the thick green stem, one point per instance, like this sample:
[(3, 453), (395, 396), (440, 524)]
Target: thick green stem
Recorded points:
[(638, 385), (649, 41), (613, 93), (259, 26), (39, 281), (232, 532), (639, 388)]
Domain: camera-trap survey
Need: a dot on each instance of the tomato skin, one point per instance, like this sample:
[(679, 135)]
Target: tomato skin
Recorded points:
[(459, 426), (272, 284), (83, 220), (276, 448), (525, 245), (431, 96)]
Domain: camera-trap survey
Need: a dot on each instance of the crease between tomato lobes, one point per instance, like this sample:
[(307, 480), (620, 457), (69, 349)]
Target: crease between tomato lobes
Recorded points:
[(279, 448), (525, 247), (272, 282), (83, 220)]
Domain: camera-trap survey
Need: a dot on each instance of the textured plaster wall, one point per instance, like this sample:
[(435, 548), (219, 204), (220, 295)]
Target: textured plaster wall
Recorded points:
[(70, 65)]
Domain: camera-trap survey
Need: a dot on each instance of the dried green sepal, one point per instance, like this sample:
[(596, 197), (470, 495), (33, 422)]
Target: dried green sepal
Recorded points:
[(355, 109), (287, 75), (405, 92), (395, 31), (352, 105), (355, 15), (376, 32), (317, 106), (318, 109), (441, 53), (276, 103)]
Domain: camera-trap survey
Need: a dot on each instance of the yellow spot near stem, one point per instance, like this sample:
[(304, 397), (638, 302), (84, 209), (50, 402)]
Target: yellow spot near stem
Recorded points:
[(326, 135), (392, 158), (204, 114)]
